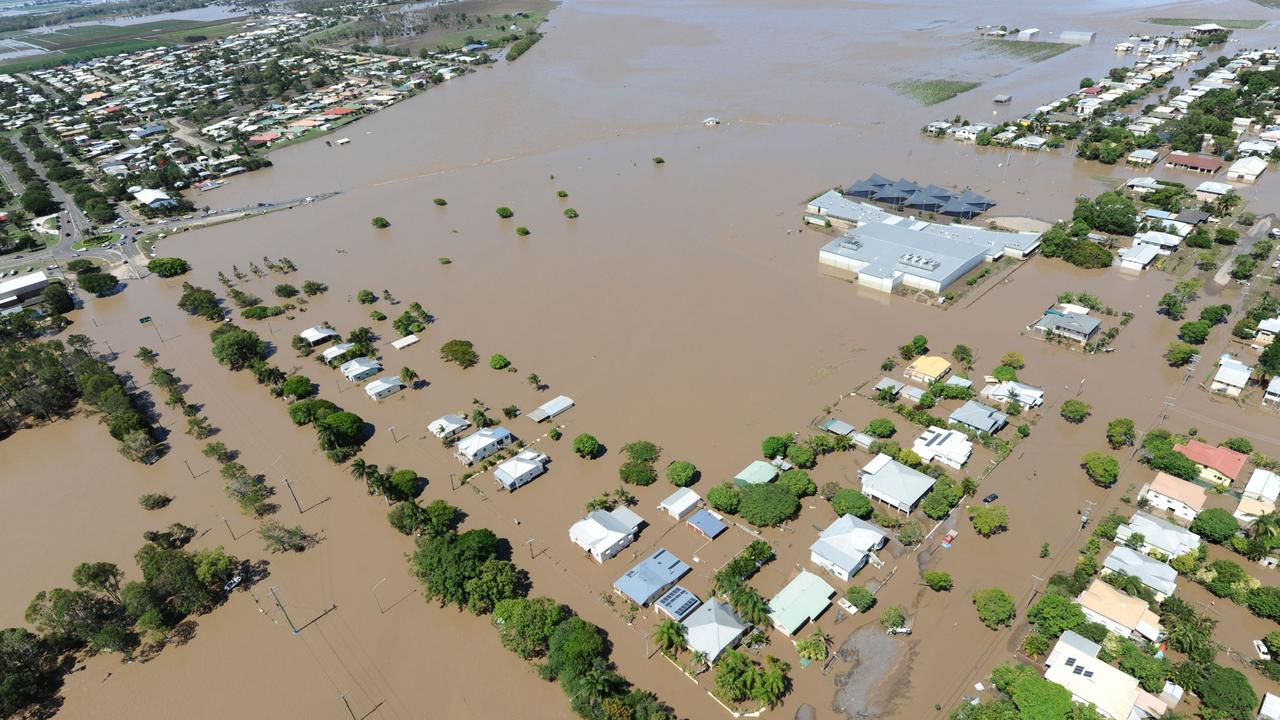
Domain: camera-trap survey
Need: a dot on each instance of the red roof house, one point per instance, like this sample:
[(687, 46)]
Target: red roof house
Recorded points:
[(1219, 464)]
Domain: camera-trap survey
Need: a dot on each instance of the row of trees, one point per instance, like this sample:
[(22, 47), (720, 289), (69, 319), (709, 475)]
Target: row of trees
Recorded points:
[(92, 201)]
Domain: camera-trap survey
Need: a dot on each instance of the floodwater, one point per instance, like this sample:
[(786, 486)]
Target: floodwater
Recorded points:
[(684, 306)]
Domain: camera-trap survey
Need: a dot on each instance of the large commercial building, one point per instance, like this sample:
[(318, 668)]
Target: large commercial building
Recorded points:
[(20, 289), (887, 251)]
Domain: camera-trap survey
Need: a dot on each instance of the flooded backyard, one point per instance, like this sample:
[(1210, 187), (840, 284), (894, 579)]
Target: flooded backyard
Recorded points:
[(683, 306)]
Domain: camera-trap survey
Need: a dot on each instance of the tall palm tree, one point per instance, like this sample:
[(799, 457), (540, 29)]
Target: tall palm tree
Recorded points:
[(669, 636), (360, 468), (1266, 526), (750, 606), (771, 684), (700, 661), (597, 683)]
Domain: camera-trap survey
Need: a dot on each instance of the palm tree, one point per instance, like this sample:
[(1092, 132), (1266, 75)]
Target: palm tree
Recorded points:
[(407, 375), (358, 468), (700, 661), (1193, 636), (771, 684), (669, 636), (534, 380), (597, 683), (749, 605), (1266, 526)]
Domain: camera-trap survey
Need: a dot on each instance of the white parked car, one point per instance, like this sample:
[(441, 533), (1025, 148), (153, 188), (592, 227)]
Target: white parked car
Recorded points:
[(1261, 648)]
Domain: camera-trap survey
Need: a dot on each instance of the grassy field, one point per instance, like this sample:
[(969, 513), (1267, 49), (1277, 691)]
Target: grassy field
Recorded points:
[(1031, 51), (1232, 24), (932, 92), (90, 41), (487, 34), (1267, 3)]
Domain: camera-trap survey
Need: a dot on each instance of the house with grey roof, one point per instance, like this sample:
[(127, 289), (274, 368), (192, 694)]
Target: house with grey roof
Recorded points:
[(713, 628), (979, 417), (651, 577), (846, 546), (1156, 535), (1155, 575), (893, 483), (1072, 326)]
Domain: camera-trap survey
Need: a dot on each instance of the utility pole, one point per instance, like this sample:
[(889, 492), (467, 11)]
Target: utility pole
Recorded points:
[(530, 544), (392, 430), (272, 593), (374, 590), (193, 475), (452, 486), (224, 522), (153, 327), (295, 495), (350, 712)]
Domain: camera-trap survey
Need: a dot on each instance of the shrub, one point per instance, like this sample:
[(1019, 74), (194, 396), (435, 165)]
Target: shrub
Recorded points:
[(504, 212), (659, 160), (634, 472), (994, 606), (767, 505), (586, 445), (1101, 468), (460, 352), (285, 290), (570, 213), (380, 222), (989, 519), (1075, 411), (1120, 432), (1004, 373), (523, 231), (724, 497), (860, 597), (97, 283), (440, 202), (297, 386), (1035, 645), (499, 362), (641, 451), (892, 618), (168, 267), (154, 501), (1239, 444), (682, 473), (847, 501), (366, 297), (937, 580)]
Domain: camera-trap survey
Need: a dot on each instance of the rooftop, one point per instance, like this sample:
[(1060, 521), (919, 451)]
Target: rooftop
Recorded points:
[(804, 598), (1116, 605), (1189, 494), (758, 472), (1153, 573), (892, 479), (847, 542), (1224, 460), (651, 576), (929, 366)]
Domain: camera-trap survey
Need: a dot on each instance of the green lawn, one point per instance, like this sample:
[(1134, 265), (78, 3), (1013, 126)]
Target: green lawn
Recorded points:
[(1232, 24), (932, 92), (92, 41), (1032, 51), (1267, 3), (491, 35)]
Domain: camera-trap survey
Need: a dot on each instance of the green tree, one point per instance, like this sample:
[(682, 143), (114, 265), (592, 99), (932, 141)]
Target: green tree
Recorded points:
[(1075, 411), (380, 222), (892, 618), (505, 212), (200, 302), (495, 581), (641, 451), (881, 428), (1054, 614), (1217, 525), (725, 498), (1226, 691), (168, 267), (236, 347), (499, 362), (860, 597), (1120, 432), (989, 519), (1101, 468), (460, 352), (525, 626), (298, 386), (847, 501), (57, 298), (682, 473), (767, 505), (937, 580), (586, 446), (801, 456), (775, 446), (1194, 332), (798, 483), (994, 606), (99, 284), (634, 472), (962, 354), (1179, 354), (1239, 444)]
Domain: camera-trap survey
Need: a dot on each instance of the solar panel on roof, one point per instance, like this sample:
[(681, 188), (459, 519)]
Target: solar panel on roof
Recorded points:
[(1088, 673), (1071, 662), (1079, 670)]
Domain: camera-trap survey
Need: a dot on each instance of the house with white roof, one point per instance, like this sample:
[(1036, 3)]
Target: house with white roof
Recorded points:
[(1267, 331), (384, 387), (713, 628), (979, 417), (1270, 709), (358, 369), (318, 335), (1157, 576), (1121, 613), (1156, 536), (1092, 682), (651, 577), (603, 534), (1174, 495), (1259, 496), (1164, 243), (1272, 393), (680, 503), (483, 443), (1138, 257), (1232, 376), (1211, 190), (949, 447), (1026, 395), (893, 483), (447, 427), (846, 546), (1247, 169), (335, 352), (521, 469)]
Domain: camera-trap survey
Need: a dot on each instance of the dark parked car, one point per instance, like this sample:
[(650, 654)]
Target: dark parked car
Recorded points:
[(990, 499)]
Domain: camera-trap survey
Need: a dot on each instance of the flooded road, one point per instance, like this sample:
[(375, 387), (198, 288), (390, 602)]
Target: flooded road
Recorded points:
[(683, 306)]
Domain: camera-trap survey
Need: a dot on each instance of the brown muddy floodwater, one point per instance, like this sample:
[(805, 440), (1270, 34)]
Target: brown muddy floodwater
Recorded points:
[(684, 306)]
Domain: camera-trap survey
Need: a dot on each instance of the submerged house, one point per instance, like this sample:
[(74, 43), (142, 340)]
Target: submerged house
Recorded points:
[(1218, 465), (521, 469), (384, 387), (603, 534), (318, 335), (483, 443), (979, 417), (447, 427), (803, 599), (893, 483), (360, 369), (651, 577), (713, 628), (846, 546)]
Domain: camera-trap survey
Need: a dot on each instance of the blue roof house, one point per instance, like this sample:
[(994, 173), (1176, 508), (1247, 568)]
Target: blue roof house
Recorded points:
[(653, 576)]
